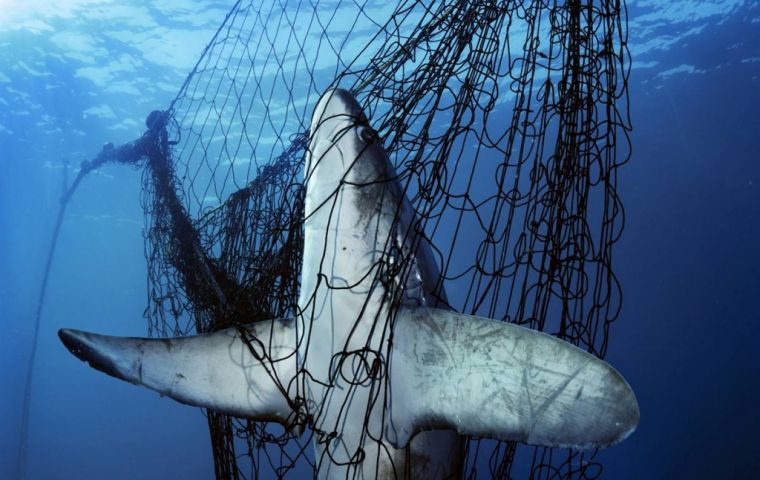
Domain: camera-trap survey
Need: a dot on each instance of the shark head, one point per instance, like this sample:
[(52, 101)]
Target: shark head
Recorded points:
[(342, 143), (347, 168), (357, 211), (435, 374)]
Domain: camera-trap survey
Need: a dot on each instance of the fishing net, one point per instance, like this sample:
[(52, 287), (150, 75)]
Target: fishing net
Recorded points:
[(506, 121)]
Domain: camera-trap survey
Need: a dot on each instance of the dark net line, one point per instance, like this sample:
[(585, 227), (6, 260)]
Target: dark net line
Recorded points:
[(506, 121)]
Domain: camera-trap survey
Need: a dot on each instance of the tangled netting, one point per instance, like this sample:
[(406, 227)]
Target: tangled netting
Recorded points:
[(506, 122)]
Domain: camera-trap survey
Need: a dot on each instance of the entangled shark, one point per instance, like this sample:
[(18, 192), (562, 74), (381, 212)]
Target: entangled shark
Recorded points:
[(385, 373)]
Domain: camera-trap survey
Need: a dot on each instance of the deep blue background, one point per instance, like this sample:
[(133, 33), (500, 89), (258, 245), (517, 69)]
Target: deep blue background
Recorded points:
[(689, 260)]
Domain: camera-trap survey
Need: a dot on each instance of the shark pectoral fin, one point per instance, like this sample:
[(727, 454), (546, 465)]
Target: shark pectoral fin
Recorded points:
[(492, 379), (242, 371)]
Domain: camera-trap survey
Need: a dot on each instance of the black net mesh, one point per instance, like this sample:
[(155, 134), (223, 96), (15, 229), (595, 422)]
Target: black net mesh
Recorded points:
[(506, 122)]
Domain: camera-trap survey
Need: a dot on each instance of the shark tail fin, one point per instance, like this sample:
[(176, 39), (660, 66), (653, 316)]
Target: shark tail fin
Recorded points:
[(238, 371), (493, 379)]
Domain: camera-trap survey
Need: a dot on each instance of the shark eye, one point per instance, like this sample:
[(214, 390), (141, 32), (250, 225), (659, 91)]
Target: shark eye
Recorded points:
[(366, 134)]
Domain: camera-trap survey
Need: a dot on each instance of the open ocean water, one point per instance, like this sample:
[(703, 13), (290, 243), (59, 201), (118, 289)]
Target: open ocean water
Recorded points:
[(75, 74)]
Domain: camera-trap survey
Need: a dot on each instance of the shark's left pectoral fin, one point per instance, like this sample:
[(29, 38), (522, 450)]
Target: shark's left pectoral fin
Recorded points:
[(492, 379), (240, 371)]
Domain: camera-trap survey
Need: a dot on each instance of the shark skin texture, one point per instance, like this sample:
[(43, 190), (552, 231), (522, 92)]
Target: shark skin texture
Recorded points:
[(387, 376)]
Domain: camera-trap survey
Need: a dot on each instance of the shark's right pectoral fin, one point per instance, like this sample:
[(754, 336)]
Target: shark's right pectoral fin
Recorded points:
[(492, 379), (242, 371)]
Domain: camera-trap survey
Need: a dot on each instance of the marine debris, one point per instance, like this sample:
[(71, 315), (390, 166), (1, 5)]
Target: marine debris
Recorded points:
[(506, 123)]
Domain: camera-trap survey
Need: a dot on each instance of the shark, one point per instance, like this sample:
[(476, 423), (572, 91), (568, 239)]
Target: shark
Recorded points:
[(390, 378)]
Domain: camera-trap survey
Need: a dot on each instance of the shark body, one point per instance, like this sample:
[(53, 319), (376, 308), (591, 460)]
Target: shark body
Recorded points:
[(384, 373)]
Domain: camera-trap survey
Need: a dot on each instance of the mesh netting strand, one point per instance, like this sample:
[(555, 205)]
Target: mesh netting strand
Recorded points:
[(506, 121)]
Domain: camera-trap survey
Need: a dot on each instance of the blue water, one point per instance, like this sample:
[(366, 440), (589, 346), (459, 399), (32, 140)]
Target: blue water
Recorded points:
[(75, 74)]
